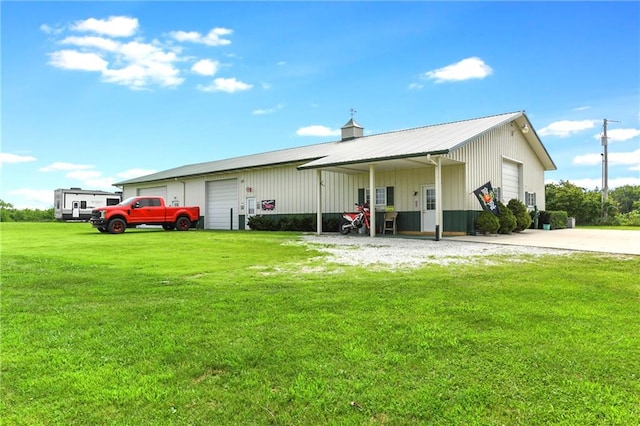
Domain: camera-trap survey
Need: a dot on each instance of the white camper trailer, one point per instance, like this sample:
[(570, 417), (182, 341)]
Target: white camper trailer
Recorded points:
[(77, 203)]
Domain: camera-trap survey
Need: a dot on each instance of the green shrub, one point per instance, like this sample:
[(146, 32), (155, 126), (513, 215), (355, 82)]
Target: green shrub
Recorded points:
[(487, 222), (507, 219), (631, 219), (263, 223), (331, 225), (304, 223), (519, 210), (558, 219)]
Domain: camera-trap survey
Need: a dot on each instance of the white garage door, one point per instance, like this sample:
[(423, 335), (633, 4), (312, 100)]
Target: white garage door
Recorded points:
[(158, 191), (222, 204), (510, 181)]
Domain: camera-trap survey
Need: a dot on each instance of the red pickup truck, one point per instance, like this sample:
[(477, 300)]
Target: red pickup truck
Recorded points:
[(136, 211)]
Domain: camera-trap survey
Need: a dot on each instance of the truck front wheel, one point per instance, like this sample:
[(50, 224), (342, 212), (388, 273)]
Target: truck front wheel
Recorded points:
[(116, 226), (183, 223)]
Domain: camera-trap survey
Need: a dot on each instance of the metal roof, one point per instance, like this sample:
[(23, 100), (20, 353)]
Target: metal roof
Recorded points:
[(420, 141), (401, 144), (284, 156)]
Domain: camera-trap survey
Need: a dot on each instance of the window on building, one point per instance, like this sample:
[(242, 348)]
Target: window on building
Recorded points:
[(381, 196), (430, 199), (530, 199), (497, 191)]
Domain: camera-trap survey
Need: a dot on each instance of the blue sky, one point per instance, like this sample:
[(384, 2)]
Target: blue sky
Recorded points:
[(98, 92)]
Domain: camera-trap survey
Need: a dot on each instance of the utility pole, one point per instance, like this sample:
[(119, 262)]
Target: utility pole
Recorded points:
[(605, 166)]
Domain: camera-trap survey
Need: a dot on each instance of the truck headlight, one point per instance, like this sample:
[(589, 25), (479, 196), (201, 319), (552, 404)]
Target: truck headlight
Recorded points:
[(103, 213)]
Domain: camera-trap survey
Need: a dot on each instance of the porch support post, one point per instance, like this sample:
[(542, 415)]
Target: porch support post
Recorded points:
[(438, 199), (372, 199), (319, 202)]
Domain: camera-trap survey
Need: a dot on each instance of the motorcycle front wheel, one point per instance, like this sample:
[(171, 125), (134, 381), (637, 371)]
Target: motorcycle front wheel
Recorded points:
[(345, 228)]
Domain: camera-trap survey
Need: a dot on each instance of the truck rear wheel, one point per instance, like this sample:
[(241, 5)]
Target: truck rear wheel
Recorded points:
[(116, 226), (183, 223)]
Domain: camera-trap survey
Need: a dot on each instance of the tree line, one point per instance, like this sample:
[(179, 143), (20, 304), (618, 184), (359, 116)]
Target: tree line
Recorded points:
[(622, 206), (586, 206), (8, 213)]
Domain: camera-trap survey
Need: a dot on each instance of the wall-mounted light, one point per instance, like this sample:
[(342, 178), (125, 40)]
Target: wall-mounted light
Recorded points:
[(525, 128)]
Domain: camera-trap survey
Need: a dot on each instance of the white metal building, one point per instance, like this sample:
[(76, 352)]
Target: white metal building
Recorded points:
[(426, 174)]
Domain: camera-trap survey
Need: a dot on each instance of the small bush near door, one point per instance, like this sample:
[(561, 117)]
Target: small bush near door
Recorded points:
[(507, 220), (487, 222), (301, 223), (519, 210)]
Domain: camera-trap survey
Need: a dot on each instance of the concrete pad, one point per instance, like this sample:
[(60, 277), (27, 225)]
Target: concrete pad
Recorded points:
[(594, 240)]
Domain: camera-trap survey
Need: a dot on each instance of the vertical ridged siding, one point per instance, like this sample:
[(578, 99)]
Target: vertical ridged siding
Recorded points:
[(295, 190), (487, 153)]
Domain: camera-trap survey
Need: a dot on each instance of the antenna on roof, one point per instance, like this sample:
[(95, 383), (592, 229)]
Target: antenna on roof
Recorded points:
[(352, 111)]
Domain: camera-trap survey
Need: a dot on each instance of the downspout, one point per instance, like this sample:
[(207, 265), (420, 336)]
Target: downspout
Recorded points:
[(372, 200), (319, 202), (438, 179)]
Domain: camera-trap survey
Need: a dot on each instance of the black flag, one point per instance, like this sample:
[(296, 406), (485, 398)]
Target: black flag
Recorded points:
[(487, 198)]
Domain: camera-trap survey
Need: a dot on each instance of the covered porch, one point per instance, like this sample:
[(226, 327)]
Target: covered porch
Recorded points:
[(429, 193)]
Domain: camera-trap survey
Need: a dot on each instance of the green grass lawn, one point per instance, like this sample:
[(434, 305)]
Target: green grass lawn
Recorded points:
[(224, 328), (611, 228)]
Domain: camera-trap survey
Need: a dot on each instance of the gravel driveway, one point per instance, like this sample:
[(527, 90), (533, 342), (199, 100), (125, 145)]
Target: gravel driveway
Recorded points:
[(415, 252)]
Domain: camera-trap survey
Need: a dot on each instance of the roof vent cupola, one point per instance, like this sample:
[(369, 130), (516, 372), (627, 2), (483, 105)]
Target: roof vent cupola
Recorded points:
[(352, 130)]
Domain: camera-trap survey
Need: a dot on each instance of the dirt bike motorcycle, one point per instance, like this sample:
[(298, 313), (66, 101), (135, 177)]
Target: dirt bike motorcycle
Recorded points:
[(355, 220)]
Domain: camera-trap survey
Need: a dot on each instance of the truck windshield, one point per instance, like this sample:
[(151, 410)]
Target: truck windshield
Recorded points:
[(127, 201)]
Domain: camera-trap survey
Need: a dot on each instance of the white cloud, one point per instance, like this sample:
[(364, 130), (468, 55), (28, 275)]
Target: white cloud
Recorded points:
[(32, 198), (466, 69), (582, 108), (134, 173), (587, 159), (92, 41), (213, 38), (229, 85), (619, 135), (565, 128), (143, 64), (415, 86), (631, 159), (83, 175), (206, 67), (99, 182), (6, 158), (136, 64), (61, 166), (591, 184), (317, 131), (114, 26), (48, 29), (267, 110), (74, 60)]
